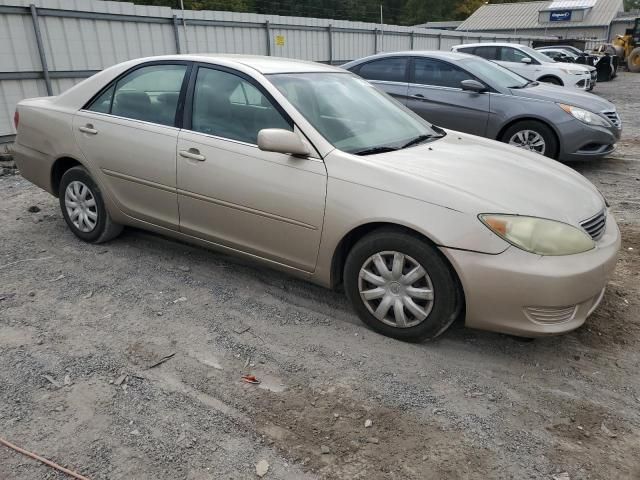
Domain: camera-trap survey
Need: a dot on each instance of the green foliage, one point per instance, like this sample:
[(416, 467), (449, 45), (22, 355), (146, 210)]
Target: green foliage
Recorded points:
[(399, 12)]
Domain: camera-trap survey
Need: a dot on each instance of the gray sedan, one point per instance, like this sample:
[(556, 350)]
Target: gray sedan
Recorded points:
[(467, 93)]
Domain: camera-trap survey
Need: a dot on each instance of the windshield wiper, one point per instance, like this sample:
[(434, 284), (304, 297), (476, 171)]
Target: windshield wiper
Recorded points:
[(420, 139), (374, 150), (528, 84)]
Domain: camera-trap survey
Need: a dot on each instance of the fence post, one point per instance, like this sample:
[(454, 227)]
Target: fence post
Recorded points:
[(267, 28), (439, 41), (176, 34), (43, 57), (411, 36), (330, 31), (375, 40)]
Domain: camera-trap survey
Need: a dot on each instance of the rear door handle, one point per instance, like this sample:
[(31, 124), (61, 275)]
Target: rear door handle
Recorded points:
[(88, 128), (192, 154)]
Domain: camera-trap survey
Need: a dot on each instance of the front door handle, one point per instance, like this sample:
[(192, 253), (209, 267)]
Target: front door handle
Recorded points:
[(88, 128), (192, 154)]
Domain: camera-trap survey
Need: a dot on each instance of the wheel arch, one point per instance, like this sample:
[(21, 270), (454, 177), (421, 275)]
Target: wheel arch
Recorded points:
[(549, 76), (58, 169)]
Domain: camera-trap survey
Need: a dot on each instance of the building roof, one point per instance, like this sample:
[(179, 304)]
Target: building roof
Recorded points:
[(525, 15)]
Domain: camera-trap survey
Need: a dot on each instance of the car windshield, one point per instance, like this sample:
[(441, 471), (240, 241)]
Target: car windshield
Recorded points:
[(494, 74), (542, 58), (353, 115)]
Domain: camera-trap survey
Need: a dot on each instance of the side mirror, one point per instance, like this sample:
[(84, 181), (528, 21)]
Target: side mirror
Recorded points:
[(281, 141), (473, 86), (526, 60)]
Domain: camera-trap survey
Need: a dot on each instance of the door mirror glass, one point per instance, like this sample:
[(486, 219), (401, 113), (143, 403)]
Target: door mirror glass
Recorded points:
[(525, 60), (281, 141), (473, 86)]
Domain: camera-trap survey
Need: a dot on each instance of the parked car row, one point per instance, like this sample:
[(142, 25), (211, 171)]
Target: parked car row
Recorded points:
[(469, 94), (606, 65), (312, 170)]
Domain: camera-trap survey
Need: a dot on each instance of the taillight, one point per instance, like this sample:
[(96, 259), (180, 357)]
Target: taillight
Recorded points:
[(16, 119)]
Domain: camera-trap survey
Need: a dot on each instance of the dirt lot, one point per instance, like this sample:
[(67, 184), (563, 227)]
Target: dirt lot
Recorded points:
[(80, 326)]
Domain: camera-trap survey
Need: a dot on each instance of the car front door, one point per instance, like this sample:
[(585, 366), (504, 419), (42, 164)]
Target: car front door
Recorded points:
[(516, 61), (232, 193), (435, 93), (389, 74), (128, 133)]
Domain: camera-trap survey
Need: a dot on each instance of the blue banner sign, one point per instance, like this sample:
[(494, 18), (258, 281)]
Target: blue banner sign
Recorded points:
[(560, 16)]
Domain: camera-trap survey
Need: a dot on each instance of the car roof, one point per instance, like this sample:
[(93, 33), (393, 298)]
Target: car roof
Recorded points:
[(441, 54), (263, 64), (490, 44)]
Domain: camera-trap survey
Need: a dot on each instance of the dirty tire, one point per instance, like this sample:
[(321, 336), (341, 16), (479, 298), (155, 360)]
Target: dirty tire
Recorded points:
[(551, 80), (551, 141), (105, 229), (633, 61), (447, 298)]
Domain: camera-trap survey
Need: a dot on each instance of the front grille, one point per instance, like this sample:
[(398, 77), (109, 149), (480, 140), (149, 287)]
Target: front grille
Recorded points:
[(550, 315), (595, 225), (614, 118)]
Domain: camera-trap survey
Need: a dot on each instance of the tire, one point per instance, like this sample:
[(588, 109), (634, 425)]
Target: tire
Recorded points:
[(511, 136), (94, 225), (551, 80), (441, 309), (633, 61)]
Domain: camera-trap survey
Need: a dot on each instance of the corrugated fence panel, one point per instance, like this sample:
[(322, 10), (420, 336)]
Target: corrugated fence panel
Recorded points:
[(82, 36)]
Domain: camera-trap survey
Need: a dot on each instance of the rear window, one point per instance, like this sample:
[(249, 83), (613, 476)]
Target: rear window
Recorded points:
[(386, 69)]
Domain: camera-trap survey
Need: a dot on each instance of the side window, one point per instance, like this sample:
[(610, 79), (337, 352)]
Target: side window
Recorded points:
[(387, 69), (102, 104), (509, 54), (488, 52), (226, 105), (148, 93), (441, 74)]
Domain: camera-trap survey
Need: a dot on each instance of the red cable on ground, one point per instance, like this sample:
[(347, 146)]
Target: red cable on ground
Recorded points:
[(41, 459)]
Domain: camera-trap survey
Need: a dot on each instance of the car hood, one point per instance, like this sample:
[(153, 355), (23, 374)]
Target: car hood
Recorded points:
[(476, 175), (555, 93)]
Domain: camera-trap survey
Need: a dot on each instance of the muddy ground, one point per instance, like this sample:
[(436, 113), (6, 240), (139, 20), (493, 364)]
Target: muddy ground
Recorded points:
[(81, 325)]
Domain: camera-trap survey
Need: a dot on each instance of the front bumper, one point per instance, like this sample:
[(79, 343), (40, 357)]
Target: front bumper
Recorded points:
[(579, 141), (519, 293)]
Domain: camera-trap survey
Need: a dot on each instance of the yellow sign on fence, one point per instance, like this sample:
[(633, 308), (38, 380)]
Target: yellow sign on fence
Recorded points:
[(280, 40)]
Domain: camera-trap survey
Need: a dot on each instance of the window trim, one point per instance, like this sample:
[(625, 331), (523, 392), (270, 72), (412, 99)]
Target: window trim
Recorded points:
[(177, 121), (412, 72), (187, 114), (407, 70)]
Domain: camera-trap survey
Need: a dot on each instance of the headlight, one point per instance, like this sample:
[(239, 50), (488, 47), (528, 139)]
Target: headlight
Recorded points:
[(585, 116), (569, 71), (539, 235)]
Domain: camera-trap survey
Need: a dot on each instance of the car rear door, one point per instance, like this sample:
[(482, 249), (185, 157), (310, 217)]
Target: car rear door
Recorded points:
[(435, 93), (389, 74), (232, 193), (128, 133)]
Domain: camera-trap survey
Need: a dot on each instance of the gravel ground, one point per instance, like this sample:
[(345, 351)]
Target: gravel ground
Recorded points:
[(81, 327)]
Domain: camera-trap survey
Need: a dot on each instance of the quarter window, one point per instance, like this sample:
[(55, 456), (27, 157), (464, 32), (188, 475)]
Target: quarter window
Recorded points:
[(441, 74), (148, 93), (387, 69), (488, 52), (226, 105)]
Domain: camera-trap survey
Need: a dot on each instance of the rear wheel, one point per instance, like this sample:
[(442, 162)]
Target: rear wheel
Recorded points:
[(633, 61), (83, 207), (533, 136), (400, 286)]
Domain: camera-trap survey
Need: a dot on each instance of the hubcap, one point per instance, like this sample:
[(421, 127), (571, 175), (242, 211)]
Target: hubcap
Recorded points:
[(81, 206), (396, 289), (529, 140)]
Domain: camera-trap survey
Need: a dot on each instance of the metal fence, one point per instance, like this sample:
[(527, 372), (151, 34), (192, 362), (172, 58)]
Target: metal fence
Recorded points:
[(47, 46)]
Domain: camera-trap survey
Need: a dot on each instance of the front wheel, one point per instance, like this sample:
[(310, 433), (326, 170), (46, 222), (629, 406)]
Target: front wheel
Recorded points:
[(401, 286), (533, 136), (83, 207)]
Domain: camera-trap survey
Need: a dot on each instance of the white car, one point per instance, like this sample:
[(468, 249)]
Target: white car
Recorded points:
[(531, 64)]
